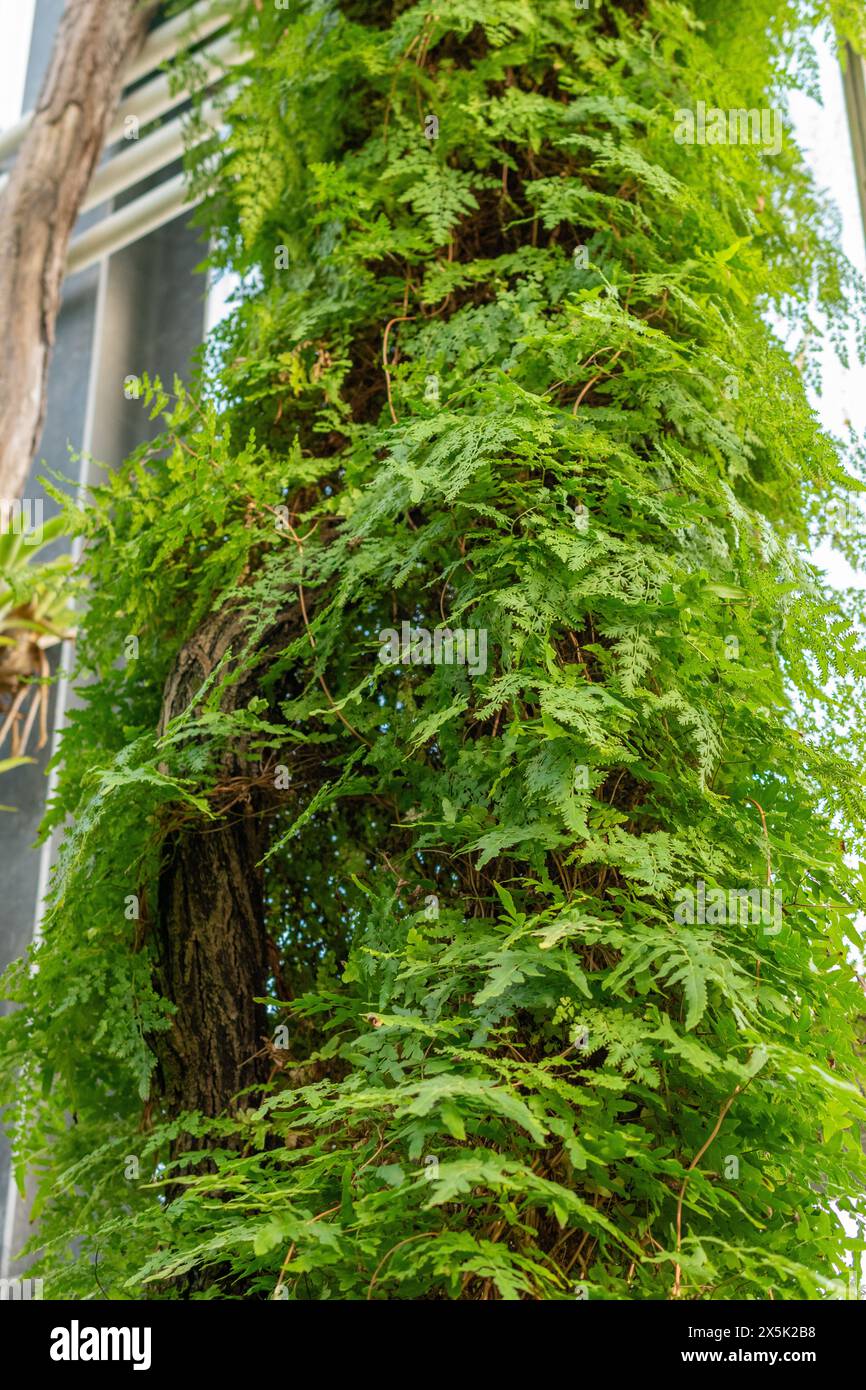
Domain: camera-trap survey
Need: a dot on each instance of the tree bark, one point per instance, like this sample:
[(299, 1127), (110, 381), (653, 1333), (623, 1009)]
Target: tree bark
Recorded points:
[(40, 205), (212, 945)]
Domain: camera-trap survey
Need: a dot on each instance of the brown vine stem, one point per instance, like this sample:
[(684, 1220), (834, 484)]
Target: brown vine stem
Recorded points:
[(694, 1163), (766, 837), (769, 871), (401, 318), (339, 713), (9, 722), (386, 1257), (429, 25), (287, 1260), (322, 682), (394, 88), (589, 385), (35, 705)]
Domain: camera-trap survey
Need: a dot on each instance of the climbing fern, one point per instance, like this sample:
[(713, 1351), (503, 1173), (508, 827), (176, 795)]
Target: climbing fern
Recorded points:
[(509, 370)]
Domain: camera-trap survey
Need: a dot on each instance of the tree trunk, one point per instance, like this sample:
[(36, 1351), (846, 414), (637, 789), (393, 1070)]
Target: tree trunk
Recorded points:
[(211, 937), (213, 963), (40, 204)]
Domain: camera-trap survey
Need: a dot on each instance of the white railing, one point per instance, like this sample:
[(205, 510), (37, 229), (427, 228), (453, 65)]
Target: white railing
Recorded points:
[(159, 47), (146, 214), (147, 103), (129, 167), (140, 158), (163, 44)]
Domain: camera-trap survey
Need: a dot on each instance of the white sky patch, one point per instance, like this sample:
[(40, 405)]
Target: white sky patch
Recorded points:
[(823, 135), (16, 26), (219, 298)]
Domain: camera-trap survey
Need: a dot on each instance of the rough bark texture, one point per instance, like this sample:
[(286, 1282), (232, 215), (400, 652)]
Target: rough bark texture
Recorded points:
[(212, 949), (213, 962), (40, 204)]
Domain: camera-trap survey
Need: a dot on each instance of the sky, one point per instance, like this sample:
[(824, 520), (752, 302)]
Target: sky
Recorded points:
[(16, 23), (822, 134)]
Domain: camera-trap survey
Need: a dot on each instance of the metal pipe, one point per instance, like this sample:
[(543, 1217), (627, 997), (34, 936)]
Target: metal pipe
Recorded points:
[(147, 213), (143, 158), (155, 98), (165, 42), (854, 77)]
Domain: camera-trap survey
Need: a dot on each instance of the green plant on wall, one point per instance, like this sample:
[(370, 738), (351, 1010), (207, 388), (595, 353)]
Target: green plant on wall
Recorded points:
[(34, 617), (556, 853)]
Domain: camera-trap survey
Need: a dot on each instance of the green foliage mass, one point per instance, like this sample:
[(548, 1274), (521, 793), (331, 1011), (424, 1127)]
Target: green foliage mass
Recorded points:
[(510, 1071)]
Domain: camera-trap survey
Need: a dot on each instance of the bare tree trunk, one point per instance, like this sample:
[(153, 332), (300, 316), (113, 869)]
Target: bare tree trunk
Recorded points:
[(211, 939), (212, 964), (40, 204)]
